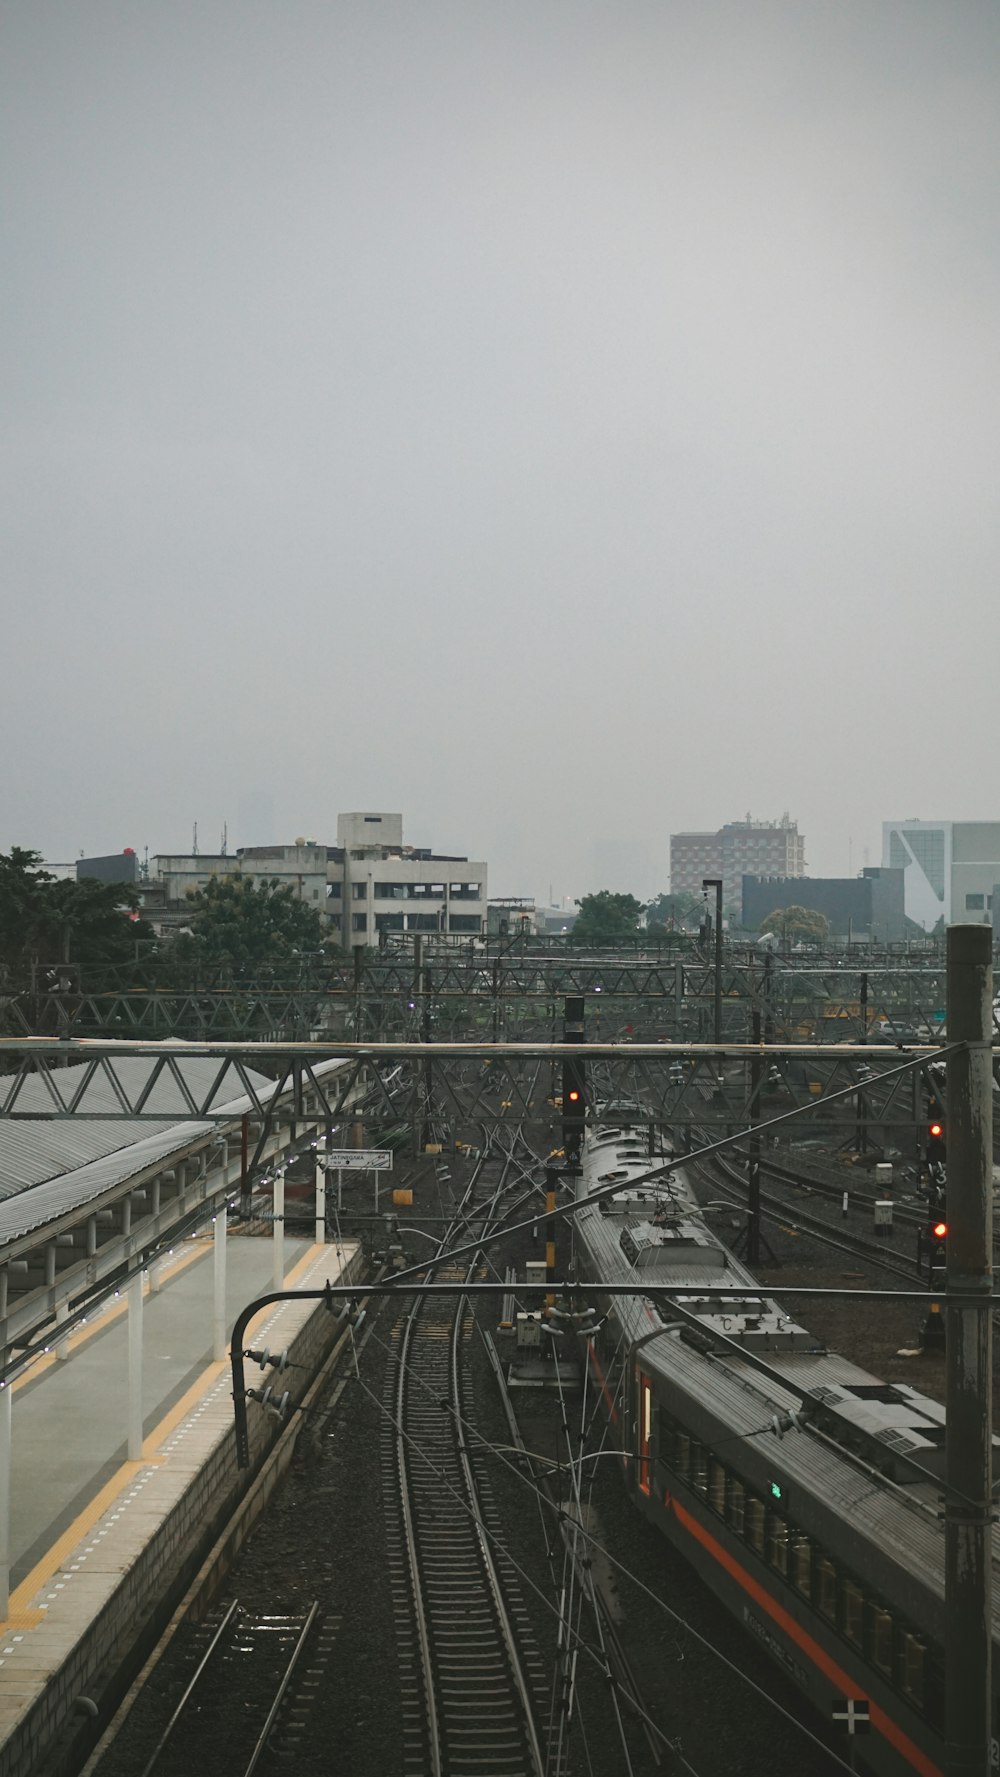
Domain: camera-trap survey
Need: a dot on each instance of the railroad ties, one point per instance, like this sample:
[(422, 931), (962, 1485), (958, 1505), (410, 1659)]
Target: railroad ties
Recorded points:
[(472, 1680)]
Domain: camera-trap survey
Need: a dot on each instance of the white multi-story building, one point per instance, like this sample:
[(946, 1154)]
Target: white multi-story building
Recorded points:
[(165, 886), (951, 869), (377, 884), (366, 884)]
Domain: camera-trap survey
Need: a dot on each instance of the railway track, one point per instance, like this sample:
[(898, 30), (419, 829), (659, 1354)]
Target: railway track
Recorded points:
[(271, 1667), (874, 1252), (473, 1683)]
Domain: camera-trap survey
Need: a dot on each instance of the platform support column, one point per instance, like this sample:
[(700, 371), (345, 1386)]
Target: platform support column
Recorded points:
[(135, 1366), (278, 1254), (968, 1500), (320, 1230), (62, 1347), (221, 1223), (6, 1397)]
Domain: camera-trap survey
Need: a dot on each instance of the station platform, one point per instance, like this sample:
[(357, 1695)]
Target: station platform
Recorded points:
[(96, 1538)]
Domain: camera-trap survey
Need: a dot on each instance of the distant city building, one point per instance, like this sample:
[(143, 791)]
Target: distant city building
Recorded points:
[(869, 906), (119, 866), (377, 884), (173, 876), (951, 869), (511, 916), (556, 922), (758, 848), (366, 884)]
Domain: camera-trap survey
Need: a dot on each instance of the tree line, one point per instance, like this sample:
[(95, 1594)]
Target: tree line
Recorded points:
[(606, 918), (95, 929)]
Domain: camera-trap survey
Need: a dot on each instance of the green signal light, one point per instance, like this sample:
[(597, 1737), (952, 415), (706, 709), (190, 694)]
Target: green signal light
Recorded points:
[(776, 1490)]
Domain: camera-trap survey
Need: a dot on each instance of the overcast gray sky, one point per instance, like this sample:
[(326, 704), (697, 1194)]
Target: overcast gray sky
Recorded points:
[(565, 422)]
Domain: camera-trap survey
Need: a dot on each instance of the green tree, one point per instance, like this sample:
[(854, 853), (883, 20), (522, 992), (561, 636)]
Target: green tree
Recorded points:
[(245, 923), (802, 923), (605, 917), (90, 924)]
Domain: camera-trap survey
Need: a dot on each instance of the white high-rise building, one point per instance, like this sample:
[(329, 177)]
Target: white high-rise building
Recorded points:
[(951, 869)]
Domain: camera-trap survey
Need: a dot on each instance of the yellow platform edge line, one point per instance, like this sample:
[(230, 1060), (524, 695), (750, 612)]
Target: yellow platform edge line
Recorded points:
[(20, 1614)]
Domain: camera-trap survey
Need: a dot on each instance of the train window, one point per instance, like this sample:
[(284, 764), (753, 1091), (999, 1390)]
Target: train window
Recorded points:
[(911, 1674), (826, 1588), (776, 1549), (736, 1505), (754, 1520), (699, 1466), (853, 1600), (880, 1637), (680, 1449), (802, 1564), (717, 1486)]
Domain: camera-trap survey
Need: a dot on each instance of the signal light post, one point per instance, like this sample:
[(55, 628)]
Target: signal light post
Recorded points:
[(968, 1563), (574, 1081)]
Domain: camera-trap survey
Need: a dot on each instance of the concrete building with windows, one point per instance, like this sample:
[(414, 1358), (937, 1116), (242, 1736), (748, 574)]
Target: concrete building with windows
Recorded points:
[(376, 885), (366, 884), (751, 848), (951, 869), (165, 886)]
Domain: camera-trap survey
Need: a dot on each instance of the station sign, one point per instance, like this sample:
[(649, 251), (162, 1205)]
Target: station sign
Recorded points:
[(356, 1159)]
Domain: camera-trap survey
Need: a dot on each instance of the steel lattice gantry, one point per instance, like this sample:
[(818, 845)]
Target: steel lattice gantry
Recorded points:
[(514, 996)]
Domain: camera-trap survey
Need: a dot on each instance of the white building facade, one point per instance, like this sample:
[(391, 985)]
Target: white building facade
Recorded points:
[(952, 869), (377, 885)]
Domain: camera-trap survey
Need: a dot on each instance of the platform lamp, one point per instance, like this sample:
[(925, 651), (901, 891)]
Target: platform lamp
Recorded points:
[(715, 882)]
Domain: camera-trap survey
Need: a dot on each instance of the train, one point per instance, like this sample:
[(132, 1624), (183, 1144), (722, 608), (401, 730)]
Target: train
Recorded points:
[(805, 1491)]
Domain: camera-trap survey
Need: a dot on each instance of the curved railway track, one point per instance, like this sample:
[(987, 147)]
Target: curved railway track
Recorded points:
[(887, 1258), (473, 1684)]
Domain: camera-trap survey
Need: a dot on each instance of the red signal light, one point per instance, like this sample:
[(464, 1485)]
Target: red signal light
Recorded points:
[(574, 1096), (939, 1230), (936, 1129)]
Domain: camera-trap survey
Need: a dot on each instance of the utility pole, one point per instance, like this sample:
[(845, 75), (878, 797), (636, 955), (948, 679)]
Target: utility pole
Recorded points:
[(753, 1167), (968, 1501), (863, 1074), (715, 882)]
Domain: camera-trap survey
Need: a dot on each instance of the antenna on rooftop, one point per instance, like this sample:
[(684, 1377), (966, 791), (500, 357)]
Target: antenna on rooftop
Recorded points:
[(225, 839), (194, 841)]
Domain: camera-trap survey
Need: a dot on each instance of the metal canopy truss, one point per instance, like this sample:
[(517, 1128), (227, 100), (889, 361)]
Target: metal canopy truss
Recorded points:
[(461, 1084), (69, 1242)]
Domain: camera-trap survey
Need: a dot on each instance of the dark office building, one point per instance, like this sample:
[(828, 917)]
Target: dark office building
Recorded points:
[(121, 866), (865, 906)]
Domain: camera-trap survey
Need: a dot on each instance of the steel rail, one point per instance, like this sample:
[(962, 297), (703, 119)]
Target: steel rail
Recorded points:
[(442, 1722), (199, 1672), (283, 1687)]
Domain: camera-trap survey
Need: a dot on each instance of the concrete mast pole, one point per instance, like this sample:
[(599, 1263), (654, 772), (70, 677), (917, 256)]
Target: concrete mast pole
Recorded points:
[(968, 1506)]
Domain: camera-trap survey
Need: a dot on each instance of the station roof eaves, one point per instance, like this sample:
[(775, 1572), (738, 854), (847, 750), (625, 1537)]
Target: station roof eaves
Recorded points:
[(53, 1165)]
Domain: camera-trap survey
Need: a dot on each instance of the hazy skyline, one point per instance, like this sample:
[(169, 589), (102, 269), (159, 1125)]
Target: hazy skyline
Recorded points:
[(567, 424)]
